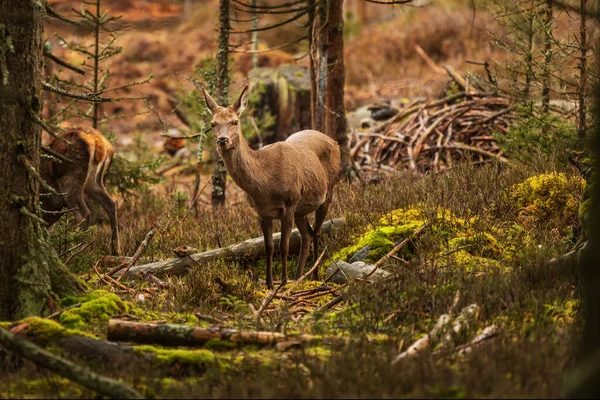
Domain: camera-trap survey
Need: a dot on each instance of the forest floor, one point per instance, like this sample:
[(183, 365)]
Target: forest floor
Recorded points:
[(483, 258)]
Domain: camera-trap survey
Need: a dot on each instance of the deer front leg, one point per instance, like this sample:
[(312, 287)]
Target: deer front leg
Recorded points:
[(287, 222), (320, 215), (306, 237), (267, 227)]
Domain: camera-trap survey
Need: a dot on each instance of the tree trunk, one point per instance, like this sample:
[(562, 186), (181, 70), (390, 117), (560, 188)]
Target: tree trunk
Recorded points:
[(30, 269), (321, 81), (219, 176), (583, 43), (336, 76), (582, 382), (548, 24)]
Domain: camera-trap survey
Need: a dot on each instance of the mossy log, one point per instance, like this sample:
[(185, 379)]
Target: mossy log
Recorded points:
[(83, 376), (284, 94), (185, 335), (251, 248)]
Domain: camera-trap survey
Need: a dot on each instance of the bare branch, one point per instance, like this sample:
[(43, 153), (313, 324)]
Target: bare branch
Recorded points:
[(266, 28), (63, 63)]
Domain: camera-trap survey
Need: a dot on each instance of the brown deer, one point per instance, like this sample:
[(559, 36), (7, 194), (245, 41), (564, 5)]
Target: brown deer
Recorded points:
[(89, 156), (285, 180)]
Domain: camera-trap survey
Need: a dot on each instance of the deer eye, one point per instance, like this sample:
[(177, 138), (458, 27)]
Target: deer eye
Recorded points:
[(235, 122), (212, 123)]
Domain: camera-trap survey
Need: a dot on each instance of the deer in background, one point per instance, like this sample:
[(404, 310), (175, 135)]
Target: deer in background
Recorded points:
[(285, 180), (89, 157)]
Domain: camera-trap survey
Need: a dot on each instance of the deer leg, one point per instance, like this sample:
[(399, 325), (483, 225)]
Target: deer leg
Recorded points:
[(305, 238), (320, 215), (287, 222), (74, 199), (267, 227), (101, 196)]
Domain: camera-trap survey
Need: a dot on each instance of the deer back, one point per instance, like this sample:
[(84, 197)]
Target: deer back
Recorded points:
[(90, 155)]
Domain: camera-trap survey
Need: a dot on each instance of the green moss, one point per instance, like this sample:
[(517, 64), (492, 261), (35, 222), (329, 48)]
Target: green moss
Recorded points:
[(217, 344), (551, 196), (392, 227), (97, 306), (46, 330), (5, 324), (178, 356)]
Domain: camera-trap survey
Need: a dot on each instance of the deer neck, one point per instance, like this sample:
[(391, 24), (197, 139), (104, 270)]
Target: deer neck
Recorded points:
[(242, 164)]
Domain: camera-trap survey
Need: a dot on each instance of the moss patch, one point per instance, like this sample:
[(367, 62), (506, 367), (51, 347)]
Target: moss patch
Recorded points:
[(46, 330), (550, 197), (97, 306), (198, 357)]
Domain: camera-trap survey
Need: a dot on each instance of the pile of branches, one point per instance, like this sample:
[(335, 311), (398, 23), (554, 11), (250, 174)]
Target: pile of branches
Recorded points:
[(429, 137)]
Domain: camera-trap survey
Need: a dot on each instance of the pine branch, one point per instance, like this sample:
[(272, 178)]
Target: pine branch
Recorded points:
[(35, 174), (389, 2), (62, 62), (56, 155), (265, 28), (257, 7), (94, 97), (50, 12), (271, 49)]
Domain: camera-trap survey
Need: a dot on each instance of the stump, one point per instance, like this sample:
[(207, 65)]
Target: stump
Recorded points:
[(285, 94)]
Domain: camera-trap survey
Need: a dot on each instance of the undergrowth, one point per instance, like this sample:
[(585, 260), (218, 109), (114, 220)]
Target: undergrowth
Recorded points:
[(493, 230)]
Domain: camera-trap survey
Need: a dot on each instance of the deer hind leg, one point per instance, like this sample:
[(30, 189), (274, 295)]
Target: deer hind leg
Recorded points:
[(267, 227), (320, 215), (287, 223), (305, 237), (72, 186), (101, 196)]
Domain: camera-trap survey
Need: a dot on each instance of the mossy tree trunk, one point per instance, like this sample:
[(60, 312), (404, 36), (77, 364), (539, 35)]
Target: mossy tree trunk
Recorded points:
[(336, 124), (30, 270), (219, 176)]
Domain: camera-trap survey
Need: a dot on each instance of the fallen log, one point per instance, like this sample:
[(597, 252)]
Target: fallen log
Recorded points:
[(83, 376), (250, 248), (184, 335)]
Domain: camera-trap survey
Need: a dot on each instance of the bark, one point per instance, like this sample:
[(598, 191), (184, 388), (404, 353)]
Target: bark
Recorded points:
[(219, 176), (583, 42), (321, 81), (251, 248), (184, 335), (83, 376), (582, 382), (548, 24), (30, 269), (336, 124)]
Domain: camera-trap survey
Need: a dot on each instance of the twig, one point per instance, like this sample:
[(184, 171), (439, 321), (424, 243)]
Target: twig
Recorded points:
[(78, 252), (57, 313), (266, 302), (139, 251), (330, 304)]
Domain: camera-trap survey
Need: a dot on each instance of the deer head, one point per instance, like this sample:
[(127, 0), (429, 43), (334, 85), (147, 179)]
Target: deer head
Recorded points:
[(225, 120)]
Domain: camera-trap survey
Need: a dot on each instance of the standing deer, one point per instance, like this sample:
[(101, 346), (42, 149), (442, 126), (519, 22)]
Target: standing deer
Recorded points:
[(90, 156), (285, 180)]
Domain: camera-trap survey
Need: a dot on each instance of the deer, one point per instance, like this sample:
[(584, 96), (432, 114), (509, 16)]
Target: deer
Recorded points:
[(85, 157), (285, 180)]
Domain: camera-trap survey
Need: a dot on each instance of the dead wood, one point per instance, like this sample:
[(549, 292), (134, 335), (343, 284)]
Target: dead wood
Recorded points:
[(252, 248), (429, 137), (83, 376), (183, 335)]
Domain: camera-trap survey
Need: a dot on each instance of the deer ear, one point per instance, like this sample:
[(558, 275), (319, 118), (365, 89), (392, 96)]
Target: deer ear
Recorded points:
[(210, 103), (242, 102)]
